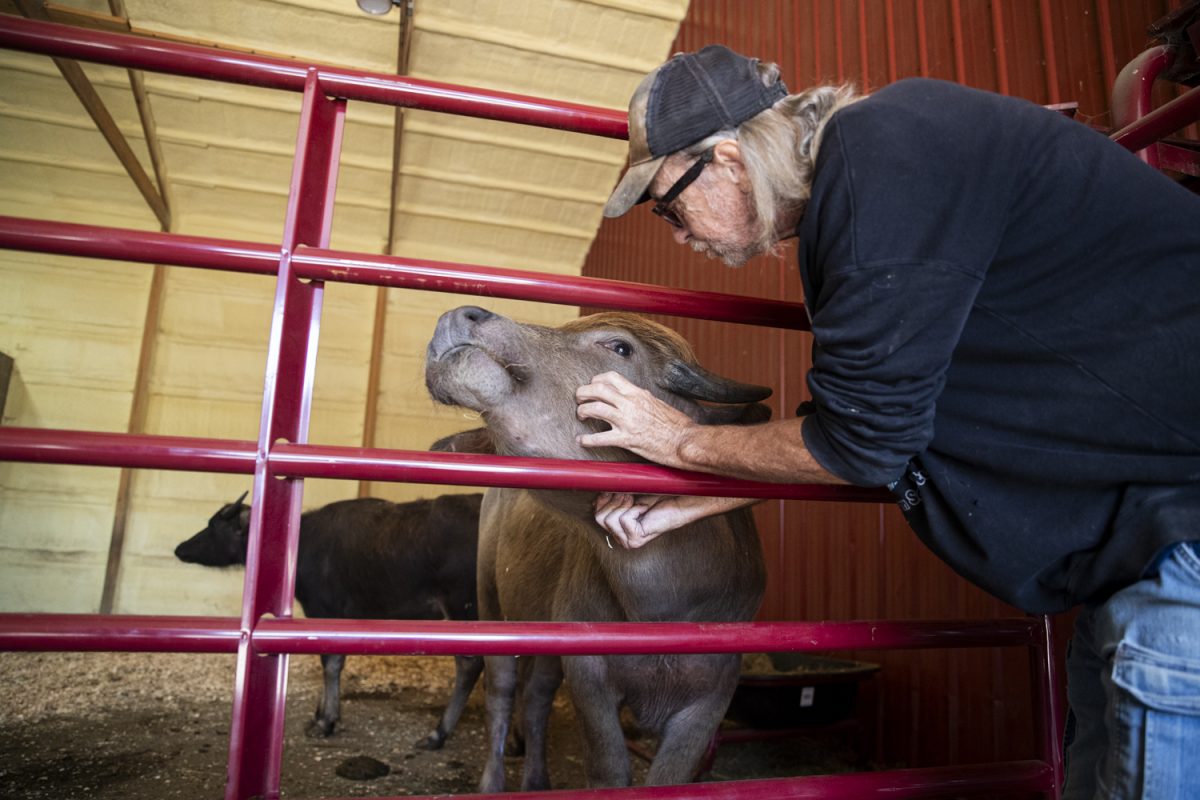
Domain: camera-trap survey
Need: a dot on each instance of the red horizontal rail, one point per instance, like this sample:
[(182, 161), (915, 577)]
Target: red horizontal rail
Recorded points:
[(99, 632), (130, 634), (145, 451), (136, 52), (990, 779), (1161, 122), (328, 461), (70, 239), (386, 637), (147, 247), (647, 298), (148, 451)]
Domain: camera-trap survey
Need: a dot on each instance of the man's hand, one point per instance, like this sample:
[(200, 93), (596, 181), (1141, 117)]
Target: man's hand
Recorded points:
[(658, 432), (636, 520), (640, 422)]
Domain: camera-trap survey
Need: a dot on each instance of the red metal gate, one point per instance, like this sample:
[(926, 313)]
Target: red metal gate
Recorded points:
[(266, 635)]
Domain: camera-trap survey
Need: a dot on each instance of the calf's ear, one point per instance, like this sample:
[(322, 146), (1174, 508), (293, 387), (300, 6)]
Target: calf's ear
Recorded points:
[(477, 440)]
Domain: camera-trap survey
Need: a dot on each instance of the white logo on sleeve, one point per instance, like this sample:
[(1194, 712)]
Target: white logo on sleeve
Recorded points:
[(910, 498)]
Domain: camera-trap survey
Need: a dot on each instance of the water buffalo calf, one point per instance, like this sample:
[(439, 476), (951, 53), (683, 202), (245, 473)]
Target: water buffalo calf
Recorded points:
[(543, 557), (371, 559)]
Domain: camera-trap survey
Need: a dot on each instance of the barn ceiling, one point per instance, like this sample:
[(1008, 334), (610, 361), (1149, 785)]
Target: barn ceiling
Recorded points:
[(467, 190)]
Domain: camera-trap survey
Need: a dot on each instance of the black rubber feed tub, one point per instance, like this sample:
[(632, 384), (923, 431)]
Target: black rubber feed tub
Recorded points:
[(791, 690)]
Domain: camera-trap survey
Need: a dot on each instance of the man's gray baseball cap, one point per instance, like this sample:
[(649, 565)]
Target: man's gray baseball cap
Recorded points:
[(684, 100)]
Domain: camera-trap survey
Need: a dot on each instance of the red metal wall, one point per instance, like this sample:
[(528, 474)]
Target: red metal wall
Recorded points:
[(854, 561)]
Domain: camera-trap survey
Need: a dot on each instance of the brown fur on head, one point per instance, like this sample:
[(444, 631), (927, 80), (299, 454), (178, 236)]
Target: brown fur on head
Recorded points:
[(663, 339)]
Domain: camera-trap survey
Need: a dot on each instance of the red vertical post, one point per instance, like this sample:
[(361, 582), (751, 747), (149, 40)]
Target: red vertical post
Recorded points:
[(256, 729), (1047, 716), (1132, 92)]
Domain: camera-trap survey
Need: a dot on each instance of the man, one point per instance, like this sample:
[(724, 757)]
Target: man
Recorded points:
[(1005, 309)]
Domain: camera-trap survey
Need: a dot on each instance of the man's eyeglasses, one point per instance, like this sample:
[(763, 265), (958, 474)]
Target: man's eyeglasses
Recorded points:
[(662, 206)]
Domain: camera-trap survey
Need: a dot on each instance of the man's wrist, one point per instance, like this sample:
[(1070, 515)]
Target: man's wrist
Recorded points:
[(690, 452)]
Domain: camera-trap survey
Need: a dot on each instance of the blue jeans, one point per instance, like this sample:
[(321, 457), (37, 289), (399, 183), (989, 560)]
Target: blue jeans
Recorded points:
[(1133, 684)]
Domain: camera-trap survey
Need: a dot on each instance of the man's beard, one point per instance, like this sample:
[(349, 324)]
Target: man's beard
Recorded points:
[(732, 255)]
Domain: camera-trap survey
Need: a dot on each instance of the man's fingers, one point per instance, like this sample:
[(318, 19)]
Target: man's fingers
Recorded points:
[(594, 410), (617, 514), (631, 524), (616, 380), (609, 387), (600, 439), (597, 391), (607, 502)]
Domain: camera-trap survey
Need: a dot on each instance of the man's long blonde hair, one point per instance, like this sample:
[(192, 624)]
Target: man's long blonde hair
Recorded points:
[(779, 148)]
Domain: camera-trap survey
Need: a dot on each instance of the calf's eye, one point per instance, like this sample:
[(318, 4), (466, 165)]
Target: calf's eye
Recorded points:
[(621, 347)]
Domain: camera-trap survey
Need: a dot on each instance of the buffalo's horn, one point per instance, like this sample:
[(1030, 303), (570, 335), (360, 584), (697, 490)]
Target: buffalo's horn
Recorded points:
[(230, 511), (696, 383)]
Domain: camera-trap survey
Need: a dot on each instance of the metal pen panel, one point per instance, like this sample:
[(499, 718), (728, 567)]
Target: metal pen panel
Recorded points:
[(264, 635)]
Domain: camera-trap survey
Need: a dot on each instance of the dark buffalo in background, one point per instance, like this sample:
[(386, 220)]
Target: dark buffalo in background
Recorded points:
[(371, 559)]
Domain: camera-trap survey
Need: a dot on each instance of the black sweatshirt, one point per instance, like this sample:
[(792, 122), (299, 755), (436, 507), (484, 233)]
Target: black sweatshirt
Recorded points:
[(1006, 315)]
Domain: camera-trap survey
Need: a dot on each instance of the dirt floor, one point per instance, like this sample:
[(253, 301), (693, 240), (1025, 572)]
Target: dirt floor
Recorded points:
[(134, 726)]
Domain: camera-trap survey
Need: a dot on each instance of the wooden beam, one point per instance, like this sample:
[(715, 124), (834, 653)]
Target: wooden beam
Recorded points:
[(137, 424), (82, 18), (79, 83), (141, 99), (119, 23), (154, 303)]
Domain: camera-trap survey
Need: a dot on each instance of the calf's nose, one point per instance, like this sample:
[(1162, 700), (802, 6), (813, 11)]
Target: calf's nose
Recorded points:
[(456, 327), (472, 314)]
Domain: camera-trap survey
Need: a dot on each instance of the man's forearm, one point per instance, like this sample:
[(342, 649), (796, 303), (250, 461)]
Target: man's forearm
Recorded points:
[(773, 451)]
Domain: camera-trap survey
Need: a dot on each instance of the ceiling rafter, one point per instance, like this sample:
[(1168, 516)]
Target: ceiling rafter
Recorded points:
[(121, 24), (82, 86), (141, 99)]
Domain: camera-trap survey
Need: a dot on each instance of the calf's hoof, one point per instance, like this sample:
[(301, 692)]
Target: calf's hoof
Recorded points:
[(319, 728), (433, 741)]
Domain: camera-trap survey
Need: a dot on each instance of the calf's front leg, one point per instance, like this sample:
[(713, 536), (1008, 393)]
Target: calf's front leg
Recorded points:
[(688, 731), (541, 684), (597, 706), (500, 681)]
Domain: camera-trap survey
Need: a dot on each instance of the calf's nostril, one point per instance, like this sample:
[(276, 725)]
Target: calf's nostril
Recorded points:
[(475, 314)]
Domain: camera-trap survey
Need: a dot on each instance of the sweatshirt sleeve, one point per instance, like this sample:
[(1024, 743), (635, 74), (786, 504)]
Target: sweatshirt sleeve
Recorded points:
[(885, 335)]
